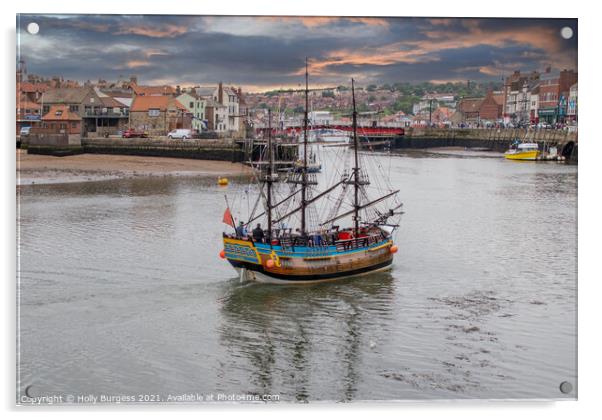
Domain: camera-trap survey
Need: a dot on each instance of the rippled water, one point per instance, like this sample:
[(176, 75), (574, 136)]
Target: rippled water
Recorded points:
[(122, 293)]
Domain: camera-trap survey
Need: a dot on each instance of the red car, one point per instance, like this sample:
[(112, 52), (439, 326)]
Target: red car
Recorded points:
[(131, 133)]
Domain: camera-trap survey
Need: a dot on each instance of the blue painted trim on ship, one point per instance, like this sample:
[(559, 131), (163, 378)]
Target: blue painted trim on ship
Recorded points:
[(304, 251)]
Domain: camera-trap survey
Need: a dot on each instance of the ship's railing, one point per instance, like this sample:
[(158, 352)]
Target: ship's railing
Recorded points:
[(289, 243), (354, 243)]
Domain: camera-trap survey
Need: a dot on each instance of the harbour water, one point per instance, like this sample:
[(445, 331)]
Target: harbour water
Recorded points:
[(122, 292)]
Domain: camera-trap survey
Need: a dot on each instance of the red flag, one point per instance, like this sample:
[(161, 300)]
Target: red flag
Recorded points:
[(228, 219)]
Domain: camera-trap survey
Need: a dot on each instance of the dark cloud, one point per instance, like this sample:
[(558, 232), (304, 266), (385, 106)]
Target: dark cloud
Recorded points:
[(270, 51)]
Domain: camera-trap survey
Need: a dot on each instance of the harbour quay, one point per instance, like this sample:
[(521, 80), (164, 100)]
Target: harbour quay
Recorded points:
[(244, 150)]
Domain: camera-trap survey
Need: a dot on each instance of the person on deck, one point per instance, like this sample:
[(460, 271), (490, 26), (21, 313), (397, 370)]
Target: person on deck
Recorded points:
[(241, 230), (258, 235)]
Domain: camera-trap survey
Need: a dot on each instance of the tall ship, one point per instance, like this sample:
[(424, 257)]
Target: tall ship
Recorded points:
[(311, 227)]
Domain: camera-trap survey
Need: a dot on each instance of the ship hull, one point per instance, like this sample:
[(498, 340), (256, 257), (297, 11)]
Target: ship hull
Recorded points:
[(257, 274), (265, 264), (527, 155)]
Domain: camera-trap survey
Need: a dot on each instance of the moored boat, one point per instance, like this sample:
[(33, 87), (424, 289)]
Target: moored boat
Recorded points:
[(523, 151)]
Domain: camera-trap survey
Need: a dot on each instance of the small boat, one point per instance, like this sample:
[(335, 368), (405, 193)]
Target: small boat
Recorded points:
[(296, 244), (523, 151)]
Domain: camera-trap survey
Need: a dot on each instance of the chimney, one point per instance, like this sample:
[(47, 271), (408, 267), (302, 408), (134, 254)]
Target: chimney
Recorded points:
[(220, 93), (133, 80)]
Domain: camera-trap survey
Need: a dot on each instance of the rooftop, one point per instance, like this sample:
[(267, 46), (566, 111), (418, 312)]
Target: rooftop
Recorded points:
[(162, 103), (60, 113)]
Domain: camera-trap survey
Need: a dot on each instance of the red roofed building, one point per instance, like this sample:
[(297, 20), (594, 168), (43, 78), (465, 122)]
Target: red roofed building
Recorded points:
[(140, 90), (468, 110), (491, 107), (28, 112), (33, 91), (158, 115), (61, 120)]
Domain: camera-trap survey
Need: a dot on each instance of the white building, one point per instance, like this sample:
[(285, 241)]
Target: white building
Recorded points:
[(518, 103)]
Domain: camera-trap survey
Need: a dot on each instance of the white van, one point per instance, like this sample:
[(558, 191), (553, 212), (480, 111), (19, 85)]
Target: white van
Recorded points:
[(180, 133)]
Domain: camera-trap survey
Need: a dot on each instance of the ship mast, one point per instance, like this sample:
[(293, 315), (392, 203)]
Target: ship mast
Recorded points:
[(356, 169), (304, 172), (269, 179)]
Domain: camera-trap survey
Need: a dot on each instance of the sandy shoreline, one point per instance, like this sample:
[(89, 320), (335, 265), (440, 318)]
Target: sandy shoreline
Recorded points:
[(41, 169)]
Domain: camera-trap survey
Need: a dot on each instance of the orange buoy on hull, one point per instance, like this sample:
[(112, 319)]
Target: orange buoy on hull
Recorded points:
[(222, 254), (222, 181), (269, 263), (394, 249)]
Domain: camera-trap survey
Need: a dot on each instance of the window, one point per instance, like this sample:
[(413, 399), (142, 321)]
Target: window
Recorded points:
[(191, 105), (154, 112), (74, 125), (74, 108), (58, 113), (46, 109), (63, 126)]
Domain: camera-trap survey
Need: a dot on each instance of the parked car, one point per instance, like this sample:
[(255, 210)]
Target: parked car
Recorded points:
[(180, 133), (24, 131), (131, 133)]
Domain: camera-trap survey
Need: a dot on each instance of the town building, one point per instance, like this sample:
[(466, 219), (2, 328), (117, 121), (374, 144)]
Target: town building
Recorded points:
[(60, 119), (571, 110), (534, 105), (28, 112), (491, 107), (516, 93), (158, 115), (83, 101), (196, 107), (223, 111), (431, 101), (467, 111), (229, 98), (32, 91), (140, 90), (553, 95), (216, 116)]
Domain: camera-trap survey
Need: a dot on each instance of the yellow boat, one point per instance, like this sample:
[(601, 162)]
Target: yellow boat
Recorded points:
[(524, 151)]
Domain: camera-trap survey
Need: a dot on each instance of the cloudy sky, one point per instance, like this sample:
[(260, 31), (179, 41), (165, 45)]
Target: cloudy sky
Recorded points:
[(262, 53)]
